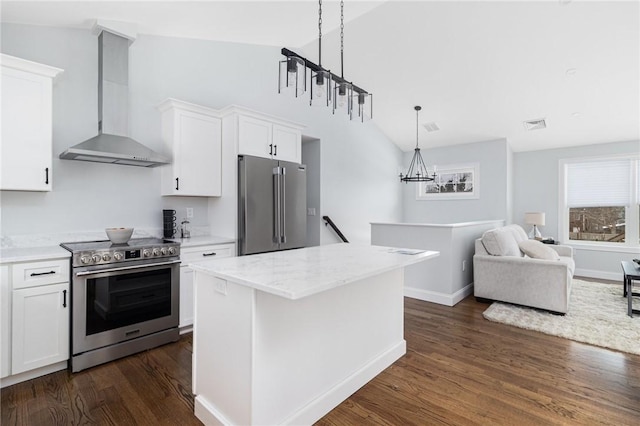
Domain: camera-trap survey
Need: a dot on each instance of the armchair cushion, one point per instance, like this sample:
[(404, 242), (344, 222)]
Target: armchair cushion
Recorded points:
[(537, 250), (501, 242)]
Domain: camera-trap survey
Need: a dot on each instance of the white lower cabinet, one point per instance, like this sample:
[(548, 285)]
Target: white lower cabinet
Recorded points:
[(40, 326), (192, 255), (5, 322), (34, 318)]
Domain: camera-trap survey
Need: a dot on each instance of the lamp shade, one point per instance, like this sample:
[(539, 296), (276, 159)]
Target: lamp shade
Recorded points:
[(536, 218)]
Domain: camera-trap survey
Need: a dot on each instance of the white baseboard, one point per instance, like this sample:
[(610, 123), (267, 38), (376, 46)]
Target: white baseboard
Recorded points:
[(438, 297), (602, 275)]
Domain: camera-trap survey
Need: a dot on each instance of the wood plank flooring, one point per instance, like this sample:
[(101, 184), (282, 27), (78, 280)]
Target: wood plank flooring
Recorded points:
[(459, 369)]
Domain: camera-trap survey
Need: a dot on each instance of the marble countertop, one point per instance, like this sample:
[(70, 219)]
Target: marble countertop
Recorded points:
[(32, 254), (299, 273), (203, 240)]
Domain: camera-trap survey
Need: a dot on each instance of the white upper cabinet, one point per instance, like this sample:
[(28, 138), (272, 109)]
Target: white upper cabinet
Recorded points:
[(264, 137), (26, 147), (192, 135)]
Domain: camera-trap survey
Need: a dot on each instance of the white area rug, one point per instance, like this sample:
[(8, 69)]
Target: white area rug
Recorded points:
[(597, 315)]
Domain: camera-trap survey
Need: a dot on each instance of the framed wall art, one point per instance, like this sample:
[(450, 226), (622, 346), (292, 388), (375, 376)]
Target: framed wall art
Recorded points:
[(452, 182)]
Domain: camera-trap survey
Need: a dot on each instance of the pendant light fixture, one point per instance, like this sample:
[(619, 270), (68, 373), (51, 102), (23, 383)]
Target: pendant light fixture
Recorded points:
[(326, 88), (292, 76), (417, 171), (321, 78), (343, 91)]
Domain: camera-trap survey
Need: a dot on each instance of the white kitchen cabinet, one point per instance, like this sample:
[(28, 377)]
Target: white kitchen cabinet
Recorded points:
[(268, 139), (192, 134), (40, 326), (5, 322), (26, 147), (190, 255), (34, 319)]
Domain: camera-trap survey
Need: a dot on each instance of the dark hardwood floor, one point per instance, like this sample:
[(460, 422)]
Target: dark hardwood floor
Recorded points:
[(459, 369)]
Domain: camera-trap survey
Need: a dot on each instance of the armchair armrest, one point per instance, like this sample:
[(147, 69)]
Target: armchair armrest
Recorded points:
[(563, 250)]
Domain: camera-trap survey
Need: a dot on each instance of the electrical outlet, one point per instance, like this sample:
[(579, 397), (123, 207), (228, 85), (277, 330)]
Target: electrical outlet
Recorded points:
[(189, 212), (311, 211), (464, 265)]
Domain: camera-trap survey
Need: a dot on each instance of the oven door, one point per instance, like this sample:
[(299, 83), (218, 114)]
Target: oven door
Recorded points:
[(121, 303)]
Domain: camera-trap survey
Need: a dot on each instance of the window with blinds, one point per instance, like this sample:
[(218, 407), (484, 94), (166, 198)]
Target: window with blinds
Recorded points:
[(602, 196)]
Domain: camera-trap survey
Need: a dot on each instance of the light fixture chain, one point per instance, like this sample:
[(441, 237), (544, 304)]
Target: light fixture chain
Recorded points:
[(320, 33), (417, 125), (342, 38)]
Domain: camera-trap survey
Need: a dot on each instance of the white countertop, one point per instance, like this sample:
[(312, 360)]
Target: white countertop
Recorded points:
[(295, 274), (442, 225), (32, 254), (203, 240)]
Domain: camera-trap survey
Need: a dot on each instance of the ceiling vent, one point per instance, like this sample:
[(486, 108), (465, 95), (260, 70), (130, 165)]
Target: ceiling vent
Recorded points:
[(535, 124), (431, 127)]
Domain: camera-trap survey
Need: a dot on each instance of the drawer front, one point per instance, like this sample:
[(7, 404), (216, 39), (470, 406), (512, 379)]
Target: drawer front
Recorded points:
[(198, 254), (33, 274)]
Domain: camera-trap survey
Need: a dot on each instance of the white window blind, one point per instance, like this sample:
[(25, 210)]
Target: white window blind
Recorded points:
[(599, 183)]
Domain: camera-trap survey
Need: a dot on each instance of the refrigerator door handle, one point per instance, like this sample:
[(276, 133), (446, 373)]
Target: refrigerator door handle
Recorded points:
[(276, 205), (283, 209)]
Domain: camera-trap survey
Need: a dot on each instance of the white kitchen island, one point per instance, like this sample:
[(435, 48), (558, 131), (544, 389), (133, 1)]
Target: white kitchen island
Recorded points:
[(284, 337)]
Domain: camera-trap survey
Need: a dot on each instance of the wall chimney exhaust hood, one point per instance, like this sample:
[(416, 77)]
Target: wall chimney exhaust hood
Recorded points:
[(112, 144)]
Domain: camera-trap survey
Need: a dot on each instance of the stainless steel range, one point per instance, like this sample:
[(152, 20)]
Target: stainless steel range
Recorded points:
[(124, 298)]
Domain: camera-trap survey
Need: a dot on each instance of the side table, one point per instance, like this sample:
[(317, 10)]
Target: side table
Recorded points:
[(631, 272)]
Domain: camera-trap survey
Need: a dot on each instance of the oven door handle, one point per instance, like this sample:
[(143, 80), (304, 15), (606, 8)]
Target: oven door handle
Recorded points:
[(124, 268)]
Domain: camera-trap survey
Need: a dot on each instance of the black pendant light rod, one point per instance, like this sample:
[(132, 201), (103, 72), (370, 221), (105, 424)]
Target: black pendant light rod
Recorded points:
[(313, 67), (320, 33)]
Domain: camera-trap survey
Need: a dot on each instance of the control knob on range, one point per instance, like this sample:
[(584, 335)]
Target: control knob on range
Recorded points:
[(146, 253), (172, 250), (85, 259), (156, 252), (163, 251), (96, 258), (117, 255), (106, 257)]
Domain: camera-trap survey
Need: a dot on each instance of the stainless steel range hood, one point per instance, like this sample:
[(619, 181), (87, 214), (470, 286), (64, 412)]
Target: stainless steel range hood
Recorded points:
[(112, 144)]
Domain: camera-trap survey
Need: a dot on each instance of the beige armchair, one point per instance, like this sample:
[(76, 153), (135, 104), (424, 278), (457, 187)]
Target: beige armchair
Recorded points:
[(502, 272)]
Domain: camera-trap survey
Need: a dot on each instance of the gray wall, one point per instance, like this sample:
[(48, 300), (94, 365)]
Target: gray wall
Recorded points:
[(493, 157), (536, 189), (358, 162)]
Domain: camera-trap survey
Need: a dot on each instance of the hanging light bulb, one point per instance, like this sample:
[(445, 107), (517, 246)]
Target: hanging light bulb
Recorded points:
[(292, 76), (321, 79), (362, 106), (417, 171)]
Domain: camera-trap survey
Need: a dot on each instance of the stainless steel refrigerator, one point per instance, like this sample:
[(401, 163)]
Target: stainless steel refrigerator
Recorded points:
[(272, 205)]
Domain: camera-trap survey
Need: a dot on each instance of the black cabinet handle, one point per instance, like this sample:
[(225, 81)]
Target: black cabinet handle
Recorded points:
[(64, 298), (275, 150), (213, 253), (35, 274), (177, 183), (270, 149), (46, 176)]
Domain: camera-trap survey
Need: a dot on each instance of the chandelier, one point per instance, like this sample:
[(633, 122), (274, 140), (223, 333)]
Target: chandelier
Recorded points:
[(417, 171), (326, 88)]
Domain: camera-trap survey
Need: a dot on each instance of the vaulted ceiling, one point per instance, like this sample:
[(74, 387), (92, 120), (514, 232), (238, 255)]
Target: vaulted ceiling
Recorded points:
[(478, 69)]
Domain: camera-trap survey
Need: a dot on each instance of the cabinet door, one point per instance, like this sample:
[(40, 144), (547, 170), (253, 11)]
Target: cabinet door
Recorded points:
[(255, 137), (197, 155), (287, 143), (5, 322), (186, 296), (192, 255), (25, 155), (40, 327)]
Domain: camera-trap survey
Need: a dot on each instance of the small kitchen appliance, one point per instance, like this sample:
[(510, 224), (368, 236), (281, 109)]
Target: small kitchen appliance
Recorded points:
[(169, 223), (124, 298)]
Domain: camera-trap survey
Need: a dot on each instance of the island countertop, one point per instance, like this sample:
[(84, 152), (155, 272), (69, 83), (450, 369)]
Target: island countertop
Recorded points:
[(294, 274)]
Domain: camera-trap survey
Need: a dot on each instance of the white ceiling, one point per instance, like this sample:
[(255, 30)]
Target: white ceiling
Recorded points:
[(478, 69)]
